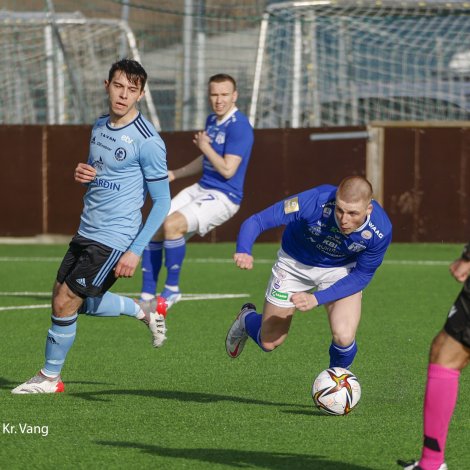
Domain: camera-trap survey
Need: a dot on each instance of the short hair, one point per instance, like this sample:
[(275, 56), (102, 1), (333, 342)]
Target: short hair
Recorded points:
[(355, 188), (222, 77), (135, 73)]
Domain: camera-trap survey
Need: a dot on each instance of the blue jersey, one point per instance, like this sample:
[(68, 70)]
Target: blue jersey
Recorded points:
[(313, 237), (129, 161), (234, 136)]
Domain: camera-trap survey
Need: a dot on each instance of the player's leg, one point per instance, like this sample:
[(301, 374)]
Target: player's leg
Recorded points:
[(175, 228), (344, 316), (450, 353), (61, 334), (152, 259), (207, 209), (269, 329)]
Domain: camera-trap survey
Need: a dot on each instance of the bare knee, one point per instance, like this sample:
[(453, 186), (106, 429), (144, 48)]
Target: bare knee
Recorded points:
[(173, 227), (343, 339), (64, 302)]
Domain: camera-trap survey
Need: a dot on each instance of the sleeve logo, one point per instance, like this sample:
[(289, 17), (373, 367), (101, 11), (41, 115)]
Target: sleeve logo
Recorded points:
[(291, 205)]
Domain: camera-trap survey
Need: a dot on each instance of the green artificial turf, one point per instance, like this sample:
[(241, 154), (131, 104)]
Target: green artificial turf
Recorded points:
[(189, 406)]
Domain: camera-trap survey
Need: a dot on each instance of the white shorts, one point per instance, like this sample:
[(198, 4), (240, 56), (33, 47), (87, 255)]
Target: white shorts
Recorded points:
[(290, 276), (202, 208)]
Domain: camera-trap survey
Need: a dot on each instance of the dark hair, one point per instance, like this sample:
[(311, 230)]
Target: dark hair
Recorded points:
[(135, 73), (223, 77)]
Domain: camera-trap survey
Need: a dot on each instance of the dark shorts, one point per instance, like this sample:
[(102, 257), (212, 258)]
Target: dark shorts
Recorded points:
[(87, 267), (458, 321)]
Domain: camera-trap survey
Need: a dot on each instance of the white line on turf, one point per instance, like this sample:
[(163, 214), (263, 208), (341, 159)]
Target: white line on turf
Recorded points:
[(404, 262), (132, 294)]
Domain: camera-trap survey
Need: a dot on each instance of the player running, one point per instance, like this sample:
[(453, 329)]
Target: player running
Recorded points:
[(225, 147), (334, 240), (127, 159), (450, 353)]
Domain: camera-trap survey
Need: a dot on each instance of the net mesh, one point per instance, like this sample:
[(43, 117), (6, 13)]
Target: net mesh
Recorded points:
[(349, 63)]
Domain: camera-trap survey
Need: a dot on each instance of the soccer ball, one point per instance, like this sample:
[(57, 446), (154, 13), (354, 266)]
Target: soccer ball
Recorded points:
[(336, 391)]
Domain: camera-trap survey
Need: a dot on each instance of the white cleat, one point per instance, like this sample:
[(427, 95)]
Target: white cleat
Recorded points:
[(40, 384), (237, 335), (414, 465), (155, 321)]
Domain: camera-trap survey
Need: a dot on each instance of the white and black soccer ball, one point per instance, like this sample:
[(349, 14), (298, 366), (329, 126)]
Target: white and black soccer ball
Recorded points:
[(336, 391)]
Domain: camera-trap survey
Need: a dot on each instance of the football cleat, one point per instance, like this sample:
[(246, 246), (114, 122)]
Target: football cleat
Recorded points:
[(171, 297), (237, 335), (155, 312), (40, 384), (414, 465)]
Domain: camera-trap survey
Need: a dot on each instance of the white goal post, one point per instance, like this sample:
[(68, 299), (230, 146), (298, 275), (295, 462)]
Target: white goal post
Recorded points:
[(54, 65), (345, 62)]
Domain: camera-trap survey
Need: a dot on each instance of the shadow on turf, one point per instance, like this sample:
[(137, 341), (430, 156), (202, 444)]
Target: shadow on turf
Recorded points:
[(196, 397), (241, 458)]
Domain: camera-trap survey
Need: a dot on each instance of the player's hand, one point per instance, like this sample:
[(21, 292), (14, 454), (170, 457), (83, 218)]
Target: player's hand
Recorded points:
[(243, 260), (84, 173), (127, 265), (460, 269), (171, 176), (304, 301), (202, 141)]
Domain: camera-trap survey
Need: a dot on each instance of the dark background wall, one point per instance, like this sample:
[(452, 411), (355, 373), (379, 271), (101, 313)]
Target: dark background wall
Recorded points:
[(426, 178)]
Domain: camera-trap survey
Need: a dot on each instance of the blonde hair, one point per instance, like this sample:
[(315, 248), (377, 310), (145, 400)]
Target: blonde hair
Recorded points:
[(355, 189)]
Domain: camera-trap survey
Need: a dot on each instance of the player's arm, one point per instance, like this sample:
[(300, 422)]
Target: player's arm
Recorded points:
[(226, 165), (84, 173), (360, 275), (159, 192), (460, 268), (251, 229), (194, 167)]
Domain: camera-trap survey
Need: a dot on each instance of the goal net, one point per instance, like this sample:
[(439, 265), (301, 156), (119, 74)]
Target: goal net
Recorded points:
[(53, 67), (337, 63)]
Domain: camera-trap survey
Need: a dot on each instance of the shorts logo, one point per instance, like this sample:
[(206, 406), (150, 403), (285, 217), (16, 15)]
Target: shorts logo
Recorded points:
[(120, 154), (452, 312), (81, 281), (279, 295), (291, 205)]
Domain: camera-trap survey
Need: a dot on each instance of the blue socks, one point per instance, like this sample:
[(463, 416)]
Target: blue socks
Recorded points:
[(253, 328), (110, 305), (60, 338), (151, 265), (175, 251), (152, 260), (342, 356)]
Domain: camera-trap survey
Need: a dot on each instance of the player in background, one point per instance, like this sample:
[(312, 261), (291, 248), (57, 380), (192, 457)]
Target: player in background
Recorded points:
[(450, 353), (225, 147), (127, 159), (334, 240)]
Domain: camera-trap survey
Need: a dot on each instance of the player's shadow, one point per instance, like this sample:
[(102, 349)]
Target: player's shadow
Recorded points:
[(196, 397), (241, 458)]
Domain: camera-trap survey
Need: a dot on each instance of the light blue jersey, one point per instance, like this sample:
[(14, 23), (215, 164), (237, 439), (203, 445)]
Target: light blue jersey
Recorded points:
[(128, 161), (313, 237), (233, 136)]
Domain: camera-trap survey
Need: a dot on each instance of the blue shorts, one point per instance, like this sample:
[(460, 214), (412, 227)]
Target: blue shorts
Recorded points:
[(87, 267)]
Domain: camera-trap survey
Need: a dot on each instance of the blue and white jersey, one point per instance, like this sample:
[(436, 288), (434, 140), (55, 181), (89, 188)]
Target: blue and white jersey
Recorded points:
[(234, 136), (312, 236), (127, 160)]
